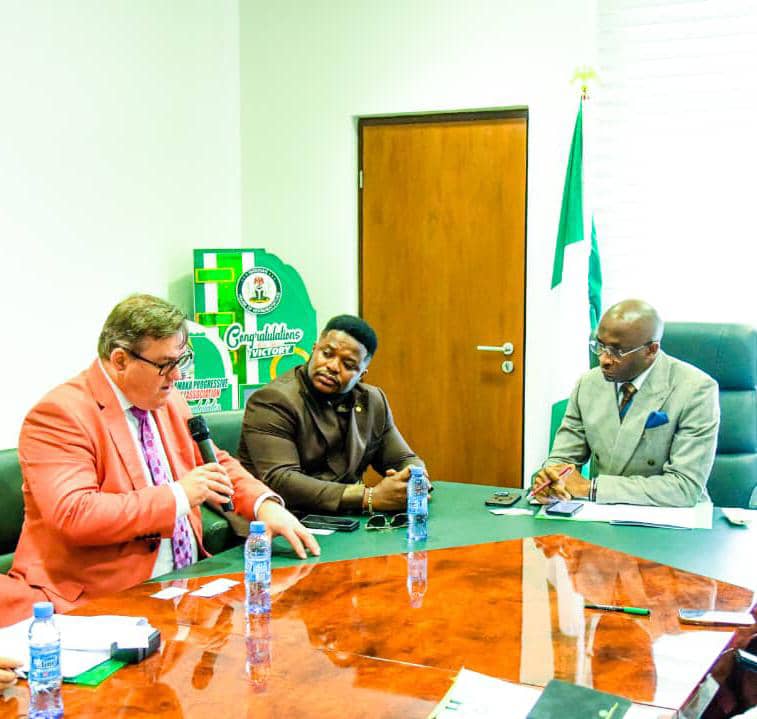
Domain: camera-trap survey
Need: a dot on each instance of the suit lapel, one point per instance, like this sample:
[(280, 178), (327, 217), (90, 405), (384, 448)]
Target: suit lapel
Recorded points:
[(357, 431), (325, 420), (115, 423), (649, 398)]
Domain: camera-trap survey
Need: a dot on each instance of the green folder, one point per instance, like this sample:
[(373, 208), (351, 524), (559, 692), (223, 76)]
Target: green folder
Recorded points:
[(570, 701), (98, 674)]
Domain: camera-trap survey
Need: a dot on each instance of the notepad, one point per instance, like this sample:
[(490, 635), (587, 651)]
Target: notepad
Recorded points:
[(85, 641), (570, 701)]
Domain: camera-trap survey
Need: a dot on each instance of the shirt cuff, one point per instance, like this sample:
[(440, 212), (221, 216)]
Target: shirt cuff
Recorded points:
[(182, 501), (262, 498)]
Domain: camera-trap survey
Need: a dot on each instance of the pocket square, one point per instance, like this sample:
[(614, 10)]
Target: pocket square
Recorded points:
[(656, 419)]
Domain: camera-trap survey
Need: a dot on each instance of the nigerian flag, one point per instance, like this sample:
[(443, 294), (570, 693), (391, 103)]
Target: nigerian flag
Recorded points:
[(576, 281)]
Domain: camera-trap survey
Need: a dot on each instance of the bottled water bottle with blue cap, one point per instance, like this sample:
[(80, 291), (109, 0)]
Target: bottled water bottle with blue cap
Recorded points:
[(417, 505), (45, 700), (257, 569)]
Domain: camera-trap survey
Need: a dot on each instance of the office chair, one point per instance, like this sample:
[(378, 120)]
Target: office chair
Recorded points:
[(728, 353)]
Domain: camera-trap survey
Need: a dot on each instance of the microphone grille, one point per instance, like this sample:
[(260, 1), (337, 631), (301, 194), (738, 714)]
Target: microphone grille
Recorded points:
[(198, 428)]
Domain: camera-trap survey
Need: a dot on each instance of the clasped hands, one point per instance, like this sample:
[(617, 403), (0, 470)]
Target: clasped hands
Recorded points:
[(390, 494), (559, 481)]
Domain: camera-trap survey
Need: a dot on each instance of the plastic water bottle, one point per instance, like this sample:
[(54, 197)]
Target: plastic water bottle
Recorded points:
[(44, 665), (417, 505), (257, 569), (417, 577)]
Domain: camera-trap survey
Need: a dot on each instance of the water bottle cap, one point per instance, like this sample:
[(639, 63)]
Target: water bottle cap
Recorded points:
[(43, 610), (257, 527), (415, 471)]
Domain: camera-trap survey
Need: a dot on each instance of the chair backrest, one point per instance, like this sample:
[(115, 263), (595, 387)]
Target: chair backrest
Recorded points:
[(728, 353), (12, 514), (226, 429)]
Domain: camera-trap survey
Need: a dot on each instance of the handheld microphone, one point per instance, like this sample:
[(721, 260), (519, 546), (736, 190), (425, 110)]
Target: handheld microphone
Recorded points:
[(198, 428)]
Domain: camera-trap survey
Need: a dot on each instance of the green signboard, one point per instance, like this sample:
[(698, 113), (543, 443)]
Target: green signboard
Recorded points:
[(253, 320)]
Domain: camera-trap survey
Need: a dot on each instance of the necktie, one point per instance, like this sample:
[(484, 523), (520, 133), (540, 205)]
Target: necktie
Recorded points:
[(182, 543), (628, 391)]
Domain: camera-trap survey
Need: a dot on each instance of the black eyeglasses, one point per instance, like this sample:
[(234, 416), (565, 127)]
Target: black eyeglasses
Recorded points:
[(613, 352), (165, 368), (381, 521)]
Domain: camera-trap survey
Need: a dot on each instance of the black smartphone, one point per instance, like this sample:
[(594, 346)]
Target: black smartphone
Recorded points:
[(563, 509), (323, 521), (502, 498), (714, 616)]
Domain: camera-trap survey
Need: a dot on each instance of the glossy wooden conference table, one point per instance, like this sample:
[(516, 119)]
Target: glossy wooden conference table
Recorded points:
[(458, 517), (384, 636)]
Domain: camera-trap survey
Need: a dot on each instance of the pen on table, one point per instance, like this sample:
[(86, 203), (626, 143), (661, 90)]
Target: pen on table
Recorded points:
[(564, 472), (626, 610)]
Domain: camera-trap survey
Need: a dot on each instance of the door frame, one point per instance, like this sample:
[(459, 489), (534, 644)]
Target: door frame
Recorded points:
[(515, 112)]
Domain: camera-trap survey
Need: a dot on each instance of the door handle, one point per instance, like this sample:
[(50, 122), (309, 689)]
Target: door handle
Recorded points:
[(505, 349)]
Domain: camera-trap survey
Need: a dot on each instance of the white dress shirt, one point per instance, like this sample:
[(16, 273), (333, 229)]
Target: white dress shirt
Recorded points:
[(636, 382)]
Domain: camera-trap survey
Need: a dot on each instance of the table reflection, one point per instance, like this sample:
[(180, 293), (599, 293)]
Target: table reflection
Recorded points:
[(384, 636)]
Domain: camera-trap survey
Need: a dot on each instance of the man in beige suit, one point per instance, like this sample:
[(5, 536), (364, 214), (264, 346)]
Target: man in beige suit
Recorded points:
[(311, 433), (648, 422)]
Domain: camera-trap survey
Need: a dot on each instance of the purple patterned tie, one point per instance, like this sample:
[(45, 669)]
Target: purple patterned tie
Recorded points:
[(182, 543)]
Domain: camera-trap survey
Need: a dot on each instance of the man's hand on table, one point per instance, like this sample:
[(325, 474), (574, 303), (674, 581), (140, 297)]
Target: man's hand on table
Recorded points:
[(282, 522), (559, 481)]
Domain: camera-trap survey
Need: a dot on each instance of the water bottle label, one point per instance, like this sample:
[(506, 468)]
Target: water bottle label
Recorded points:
[(417, 505), (44, 664), (260, 572)]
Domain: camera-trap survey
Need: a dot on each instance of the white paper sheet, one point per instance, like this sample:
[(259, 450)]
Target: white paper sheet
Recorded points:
[(697, 517), (512, 511), (739, 516), (212, 589), (477, 696), (169, 593)]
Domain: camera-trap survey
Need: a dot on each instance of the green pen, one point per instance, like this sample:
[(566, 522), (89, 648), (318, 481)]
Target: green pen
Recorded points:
[(626, 610)]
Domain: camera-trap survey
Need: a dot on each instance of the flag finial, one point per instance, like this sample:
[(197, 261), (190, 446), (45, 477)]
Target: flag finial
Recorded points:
[(584, 74)]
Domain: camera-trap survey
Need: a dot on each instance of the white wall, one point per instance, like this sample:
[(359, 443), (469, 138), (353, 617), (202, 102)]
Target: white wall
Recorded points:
[(119, 153), (309, 69), (675, 155)]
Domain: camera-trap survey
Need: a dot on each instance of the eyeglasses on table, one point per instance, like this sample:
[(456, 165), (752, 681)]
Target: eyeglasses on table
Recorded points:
[(382, 521)]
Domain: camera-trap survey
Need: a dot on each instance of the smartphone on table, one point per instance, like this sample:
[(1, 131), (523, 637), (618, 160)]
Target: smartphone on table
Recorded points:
[(714, 616), (323, 521), (563, 509), (502, 498)]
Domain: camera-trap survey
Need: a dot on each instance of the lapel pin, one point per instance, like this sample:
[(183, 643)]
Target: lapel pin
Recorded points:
[(358, 408)]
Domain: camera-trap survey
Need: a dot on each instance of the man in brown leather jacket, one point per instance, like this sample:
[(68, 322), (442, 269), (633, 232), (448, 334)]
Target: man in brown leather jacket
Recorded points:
[(311, 433)]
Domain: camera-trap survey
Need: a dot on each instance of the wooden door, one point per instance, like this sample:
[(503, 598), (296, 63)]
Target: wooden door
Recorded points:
[(442, 270)]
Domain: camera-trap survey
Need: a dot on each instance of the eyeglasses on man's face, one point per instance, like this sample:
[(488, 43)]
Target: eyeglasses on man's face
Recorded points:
[(165, 368), (613, 352), (381, 521)]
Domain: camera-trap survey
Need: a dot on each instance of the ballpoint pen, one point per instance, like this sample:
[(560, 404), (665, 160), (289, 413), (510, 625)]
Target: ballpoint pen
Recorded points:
[(626, 610), (564, 472)]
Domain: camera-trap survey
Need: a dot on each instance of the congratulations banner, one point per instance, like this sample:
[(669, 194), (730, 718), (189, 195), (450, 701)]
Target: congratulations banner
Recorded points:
[(253, 320)]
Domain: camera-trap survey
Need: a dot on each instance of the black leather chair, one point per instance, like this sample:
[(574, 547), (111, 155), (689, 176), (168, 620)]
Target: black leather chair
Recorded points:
[(728, 353), (225, 429)]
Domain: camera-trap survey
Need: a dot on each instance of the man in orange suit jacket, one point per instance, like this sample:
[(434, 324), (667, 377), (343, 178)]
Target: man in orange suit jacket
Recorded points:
[(94, 520)]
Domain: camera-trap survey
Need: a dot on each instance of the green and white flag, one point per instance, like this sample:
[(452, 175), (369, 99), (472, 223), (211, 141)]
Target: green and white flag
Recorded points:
[(576, 282)]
